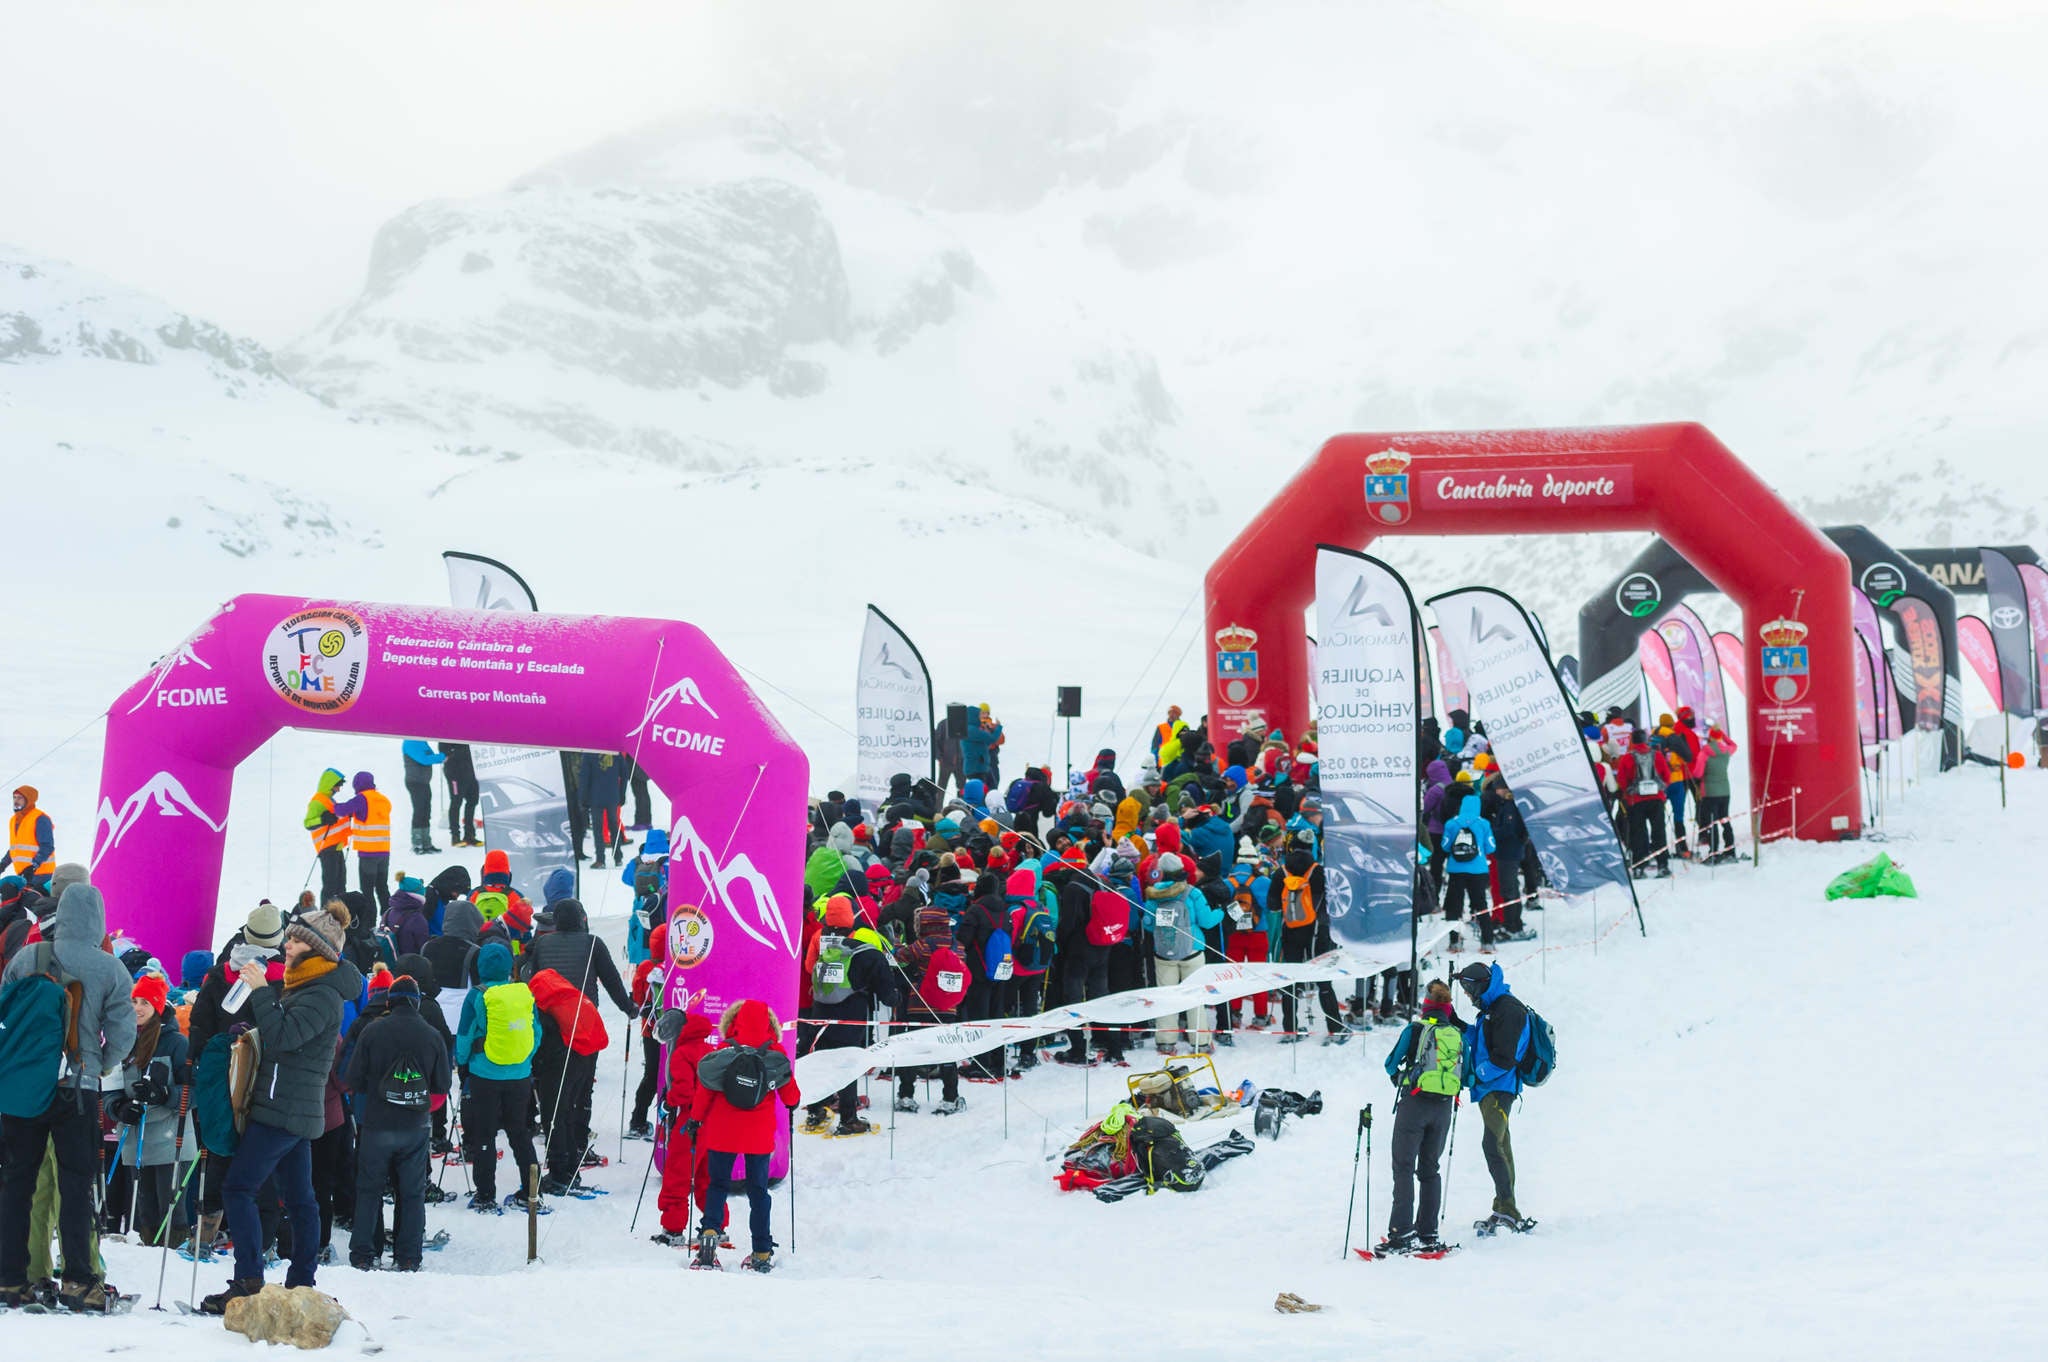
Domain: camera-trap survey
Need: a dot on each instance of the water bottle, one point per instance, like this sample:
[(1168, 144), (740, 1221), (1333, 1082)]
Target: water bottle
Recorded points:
[(238, 992)]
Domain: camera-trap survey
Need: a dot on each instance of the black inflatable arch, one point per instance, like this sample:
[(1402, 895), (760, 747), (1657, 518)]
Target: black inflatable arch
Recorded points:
[(1613, 620)]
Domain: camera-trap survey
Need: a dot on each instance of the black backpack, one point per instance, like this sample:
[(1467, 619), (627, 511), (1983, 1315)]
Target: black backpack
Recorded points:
[(405, 1083), (1464, 846), (1163, 1157), (742, 1074)]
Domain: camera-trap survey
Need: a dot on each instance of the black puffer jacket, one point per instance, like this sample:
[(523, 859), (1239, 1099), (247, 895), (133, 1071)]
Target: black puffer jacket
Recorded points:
[(299, 1030), (572, 952), (383, 1035)]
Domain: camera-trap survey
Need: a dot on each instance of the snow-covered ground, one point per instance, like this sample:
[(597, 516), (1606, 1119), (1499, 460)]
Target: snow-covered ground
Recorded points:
[(1780, 1127)]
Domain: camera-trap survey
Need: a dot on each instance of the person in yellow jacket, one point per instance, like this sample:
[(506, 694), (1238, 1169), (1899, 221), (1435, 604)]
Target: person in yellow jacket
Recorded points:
[(32, 840), (329, 828), (369, 815), (1130, 811)]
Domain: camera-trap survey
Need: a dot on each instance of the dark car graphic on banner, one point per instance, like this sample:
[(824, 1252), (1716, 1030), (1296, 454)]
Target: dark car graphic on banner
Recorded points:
[(1581, 835), (1364, 843)]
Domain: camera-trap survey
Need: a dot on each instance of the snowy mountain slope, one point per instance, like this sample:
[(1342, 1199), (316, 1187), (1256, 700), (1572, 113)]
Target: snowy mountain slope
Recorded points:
[(743, 322), (162, 488), (1742, 1153)]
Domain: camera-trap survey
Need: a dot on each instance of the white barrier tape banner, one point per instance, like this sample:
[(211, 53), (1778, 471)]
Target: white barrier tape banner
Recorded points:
[(826, 1071)]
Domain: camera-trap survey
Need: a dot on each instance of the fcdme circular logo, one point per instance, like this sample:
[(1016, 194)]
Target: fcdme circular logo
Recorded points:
[(316, 659)]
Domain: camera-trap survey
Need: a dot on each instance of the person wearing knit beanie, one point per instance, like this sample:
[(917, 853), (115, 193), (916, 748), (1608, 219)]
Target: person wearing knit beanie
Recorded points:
[(324, 930), (264, 926), (154, 990)]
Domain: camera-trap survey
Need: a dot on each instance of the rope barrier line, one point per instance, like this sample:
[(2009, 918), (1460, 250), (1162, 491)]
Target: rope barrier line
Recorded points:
[(16, 777)]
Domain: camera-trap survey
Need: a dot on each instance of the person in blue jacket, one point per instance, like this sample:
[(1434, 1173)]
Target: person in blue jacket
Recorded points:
[(420, 761), (1179, 917), (1205, 834), (650, 910), (1494, 1045), (1465, 877)]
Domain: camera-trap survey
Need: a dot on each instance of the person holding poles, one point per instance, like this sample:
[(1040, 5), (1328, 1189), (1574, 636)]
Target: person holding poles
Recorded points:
[(1425, 1066)]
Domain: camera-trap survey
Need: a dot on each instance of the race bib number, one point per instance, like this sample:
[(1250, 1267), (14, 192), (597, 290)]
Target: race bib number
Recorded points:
[(1239, 917), (1165, 916), (951, 981), (832, 975), (1004, 970)]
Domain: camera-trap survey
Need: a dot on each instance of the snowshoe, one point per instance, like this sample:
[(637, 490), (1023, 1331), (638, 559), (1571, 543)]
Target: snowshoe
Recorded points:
[(327, 1257), (763, 1262), (485, 1205), (1432, 1248), (640, 1130), (1495, 1223), (707, 1251), (1404, 1242), (1337, 1038), (852, 1125), (673, 1238), (517, 1203), (363, 1264), (436, 1242), (1291, 1039), (1076, 1061), (907, 1105), (948, 1106), (437, 1195), (816, 1121), (593, 1159), (22, 1298), (1225, 1038)]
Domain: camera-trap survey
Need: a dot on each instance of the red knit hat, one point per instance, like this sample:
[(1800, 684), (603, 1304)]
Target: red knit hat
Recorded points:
[(839, 912), (153, 989)]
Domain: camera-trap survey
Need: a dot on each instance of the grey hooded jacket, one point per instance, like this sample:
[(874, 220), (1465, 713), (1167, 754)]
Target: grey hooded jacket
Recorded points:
[(106, 1021)]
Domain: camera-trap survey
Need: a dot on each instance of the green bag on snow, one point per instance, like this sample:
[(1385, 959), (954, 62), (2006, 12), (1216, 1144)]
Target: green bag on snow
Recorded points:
[(1873, 879)]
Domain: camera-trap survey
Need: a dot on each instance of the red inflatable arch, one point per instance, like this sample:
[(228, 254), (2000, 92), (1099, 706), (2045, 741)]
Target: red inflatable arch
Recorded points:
[(1676, 480)]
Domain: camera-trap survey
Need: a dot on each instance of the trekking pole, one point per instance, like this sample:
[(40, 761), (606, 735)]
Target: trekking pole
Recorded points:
[(1364, 1125), (163, 1232), (652, 1153), (1450, 1148), (790, 1113)]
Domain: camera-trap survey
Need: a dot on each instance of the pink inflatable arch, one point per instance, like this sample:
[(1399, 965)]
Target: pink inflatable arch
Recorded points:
[(657, 688)]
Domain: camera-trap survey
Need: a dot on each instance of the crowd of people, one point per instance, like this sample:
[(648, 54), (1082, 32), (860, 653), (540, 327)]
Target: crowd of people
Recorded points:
[(280, 1089)]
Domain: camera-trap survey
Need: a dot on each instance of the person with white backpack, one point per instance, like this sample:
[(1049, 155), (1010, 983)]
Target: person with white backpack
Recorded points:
[(1178, 918)]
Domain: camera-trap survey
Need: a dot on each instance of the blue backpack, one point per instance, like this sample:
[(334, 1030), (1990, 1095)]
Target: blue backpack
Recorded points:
[(1013, 798), (997, 962), (1035, 943), (1539, 1056), (38, 1036)]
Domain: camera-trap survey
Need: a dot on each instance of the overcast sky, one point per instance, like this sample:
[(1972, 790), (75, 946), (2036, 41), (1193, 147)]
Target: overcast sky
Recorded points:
[(236, 158)]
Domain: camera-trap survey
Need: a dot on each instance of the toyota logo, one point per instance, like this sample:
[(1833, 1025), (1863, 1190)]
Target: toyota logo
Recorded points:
[(2008, 617)]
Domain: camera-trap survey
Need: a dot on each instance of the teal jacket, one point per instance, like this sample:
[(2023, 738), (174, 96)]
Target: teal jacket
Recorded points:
[(493, 967)]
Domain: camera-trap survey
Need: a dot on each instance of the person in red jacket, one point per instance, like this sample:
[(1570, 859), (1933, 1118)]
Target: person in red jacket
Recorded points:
[(732, 1133), (685, 1164), (572, 1036), (1643, 775)]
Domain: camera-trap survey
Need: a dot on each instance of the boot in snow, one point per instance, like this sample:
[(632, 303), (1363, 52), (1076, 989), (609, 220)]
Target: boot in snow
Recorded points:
[(217, 1304), (852, 1125), (816, 1119), (760, 1260), (907, 1104), (707, 1249), (948, 1106)]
